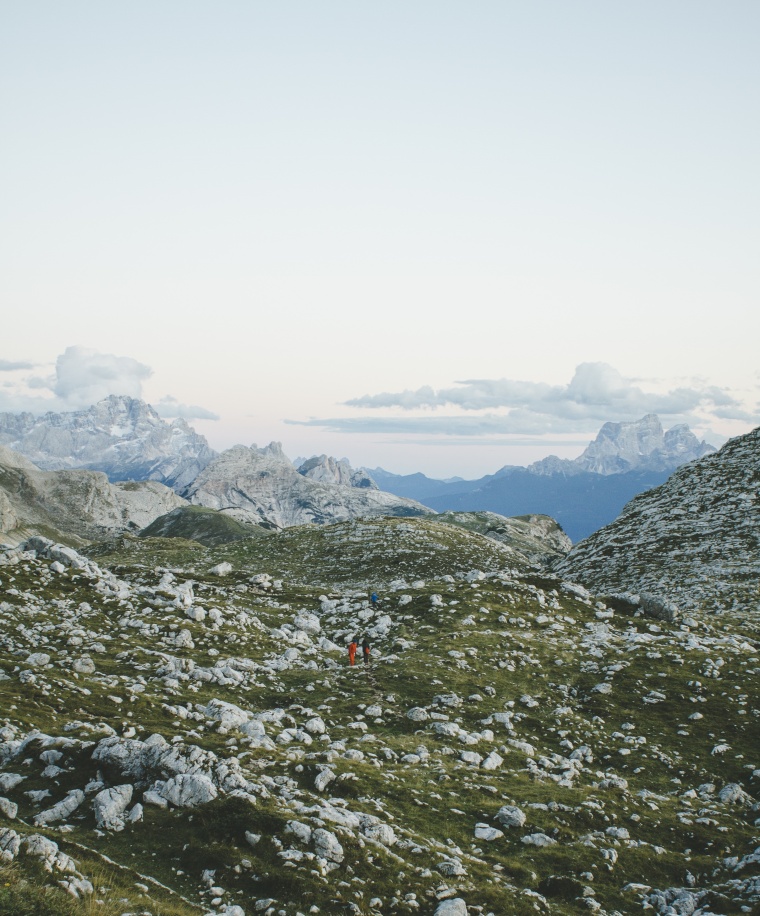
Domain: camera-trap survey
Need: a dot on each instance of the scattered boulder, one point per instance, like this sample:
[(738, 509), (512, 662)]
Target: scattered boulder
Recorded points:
[(511, 816)]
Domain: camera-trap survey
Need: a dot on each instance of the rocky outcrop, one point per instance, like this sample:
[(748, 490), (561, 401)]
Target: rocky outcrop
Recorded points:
[(693, 540), (78, 504), (261, 485), (121, 436), (329, 470), (537, 537)]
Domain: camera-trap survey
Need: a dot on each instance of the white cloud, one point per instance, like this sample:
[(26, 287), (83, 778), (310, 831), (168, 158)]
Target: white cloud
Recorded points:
[(82, 377), (596, 391), (9, 365), (515, 423)]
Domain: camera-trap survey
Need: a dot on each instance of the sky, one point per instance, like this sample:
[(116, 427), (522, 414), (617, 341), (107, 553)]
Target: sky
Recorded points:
[(424, 235)]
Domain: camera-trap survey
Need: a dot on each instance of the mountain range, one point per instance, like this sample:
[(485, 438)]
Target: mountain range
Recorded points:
[(582, 494), (126, 439)]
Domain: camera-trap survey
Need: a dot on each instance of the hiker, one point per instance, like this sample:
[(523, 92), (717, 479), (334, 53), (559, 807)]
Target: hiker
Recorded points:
[(352, 647), (373, 599), (365, 650)]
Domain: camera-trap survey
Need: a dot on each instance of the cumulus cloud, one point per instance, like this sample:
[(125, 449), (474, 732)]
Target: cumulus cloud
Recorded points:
[(170, 407), (84, 376)]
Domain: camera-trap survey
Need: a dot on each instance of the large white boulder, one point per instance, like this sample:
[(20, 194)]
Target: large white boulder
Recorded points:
[(188, 790), (454, 907)]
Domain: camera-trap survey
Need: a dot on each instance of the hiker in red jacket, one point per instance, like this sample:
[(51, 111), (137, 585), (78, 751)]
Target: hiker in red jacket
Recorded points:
[(352, 647)]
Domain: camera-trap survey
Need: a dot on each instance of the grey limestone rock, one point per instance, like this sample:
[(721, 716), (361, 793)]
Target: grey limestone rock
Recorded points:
[(418, 714), (8, 808), (188, 790), (62, 810), (327, 846), (109, 806), (538, 839), (10, 843)]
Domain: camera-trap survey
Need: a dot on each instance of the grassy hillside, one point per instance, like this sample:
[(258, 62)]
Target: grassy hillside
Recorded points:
[(197, 523)]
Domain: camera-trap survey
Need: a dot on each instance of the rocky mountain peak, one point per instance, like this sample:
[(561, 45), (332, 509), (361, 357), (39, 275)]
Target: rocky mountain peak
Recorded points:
[(621, 447), (122, 436), (641, 445)]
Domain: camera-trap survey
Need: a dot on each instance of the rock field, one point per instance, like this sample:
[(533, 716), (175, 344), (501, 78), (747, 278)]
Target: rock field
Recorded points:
[(181, 733)]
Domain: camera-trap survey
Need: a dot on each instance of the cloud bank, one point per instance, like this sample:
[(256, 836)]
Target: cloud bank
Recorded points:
[(596, 393)]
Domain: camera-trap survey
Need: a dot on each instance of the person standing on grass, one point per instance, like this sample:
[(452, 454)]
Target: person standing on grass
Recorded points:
[(365, 650), (352, 647)]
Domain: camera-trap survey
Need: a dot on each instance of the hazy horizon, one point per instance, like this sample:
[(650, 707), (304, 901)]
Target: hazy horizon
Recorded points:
[(423, 235)]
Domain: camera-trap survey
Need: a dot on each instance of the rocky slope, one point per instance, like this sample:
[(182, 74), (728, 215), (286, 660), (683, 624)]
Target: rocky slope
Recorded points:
[(180, 733), (695, 538), (261, 485), (74, 505), (121, 436)]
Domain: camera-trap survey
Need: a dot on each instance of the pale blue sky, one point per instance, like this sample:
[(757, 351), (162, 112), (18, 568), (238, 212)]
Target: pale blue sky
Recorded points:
[(278, 208)]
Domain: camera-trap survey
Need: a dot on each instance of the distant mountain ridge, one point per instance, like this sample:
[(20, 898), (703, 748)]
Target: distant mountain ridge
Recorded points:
[(125, 438), (121, 436), (582, 494)]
